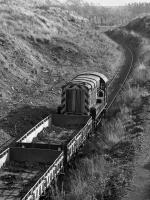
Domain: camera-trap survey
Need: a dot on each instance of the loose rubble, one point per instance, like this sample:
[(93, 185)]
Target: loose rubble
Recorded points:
[(54, 135)]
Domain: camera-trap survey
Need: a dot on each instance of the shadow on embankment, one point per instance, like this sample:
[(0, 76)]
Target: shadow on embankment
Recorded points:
[(19, 121)]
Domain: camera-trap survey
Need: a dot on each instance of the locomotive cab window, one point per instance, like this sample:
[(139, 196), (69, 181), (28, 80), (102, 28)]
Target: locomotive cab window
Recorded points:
[(100, 93), (100, 96), (99, 100), (102, 85)]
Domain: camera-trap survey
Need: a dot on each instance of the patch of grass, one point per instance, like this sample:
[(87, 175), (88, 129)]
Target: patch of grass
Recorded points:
[(87, 181), (132, 96), (134, 90), (141, 75), (114, 131)]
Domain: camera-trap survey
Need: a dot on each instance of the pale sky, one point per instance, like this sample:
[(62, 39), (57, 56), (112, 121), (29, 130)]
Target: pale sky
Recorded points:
[(115, 2)]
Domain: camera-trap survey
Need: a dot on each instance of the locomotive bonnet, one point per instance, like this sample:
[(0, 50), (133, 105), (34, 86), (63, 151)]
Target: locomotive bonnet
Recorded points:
[(85, 91)]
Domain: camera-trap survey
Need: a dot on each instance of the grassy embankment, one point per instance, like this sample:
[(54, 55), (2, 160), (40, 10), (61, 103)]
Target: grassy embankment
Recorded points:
[(42, 46), (106, 169)]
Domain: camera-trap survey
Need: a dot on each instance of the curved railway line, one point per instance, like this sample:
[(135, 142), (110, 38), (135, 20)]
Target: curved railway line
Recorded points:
[(118, 83), (114, 87)]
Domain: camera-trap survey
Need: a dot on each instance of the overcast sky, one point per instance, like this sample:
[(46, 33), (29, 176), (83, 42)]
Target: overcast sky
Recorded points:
[(115, 2)]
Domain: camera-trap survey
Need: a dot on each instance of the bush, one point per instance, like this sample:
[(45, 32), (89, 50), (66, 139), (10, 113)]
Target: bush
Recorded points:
[(141, 75)]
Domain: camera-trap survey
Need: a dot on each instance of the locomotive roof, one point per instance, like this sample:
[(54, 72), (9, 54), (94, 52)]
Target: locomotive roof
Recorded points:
[(88, 79), (102, 76), (86, 83)]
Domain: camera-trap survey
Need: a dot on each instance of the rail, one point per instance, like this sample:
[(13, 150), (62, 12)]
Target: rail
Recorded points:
[(126, 77), (113, 78)]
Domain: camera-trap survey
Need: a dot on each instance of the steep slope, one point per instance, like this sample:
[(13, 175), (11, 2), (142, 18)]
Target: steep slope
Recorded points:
[(42, 46), (140, 24), (141, 28)]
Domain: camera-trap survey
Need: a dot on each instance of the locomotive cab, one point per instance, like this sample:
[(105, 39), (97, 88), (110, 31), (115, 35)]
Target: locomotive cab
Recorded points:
[(100, 96), (86, 90), (102, 92)]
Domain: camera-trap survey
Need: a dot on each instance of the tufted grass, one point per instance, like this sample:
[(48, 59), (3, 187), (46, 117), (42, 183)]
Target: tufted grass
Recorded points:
[(85, 182)]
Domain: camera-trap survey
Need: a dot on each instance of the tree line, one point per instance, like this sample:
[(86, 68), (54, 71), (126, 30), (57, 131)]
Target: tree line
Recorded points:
[(108, 16)]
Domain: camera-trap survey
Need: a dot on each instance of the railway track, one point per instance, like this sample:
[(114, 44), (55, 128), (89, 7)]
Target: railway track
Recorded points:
[(120, 78), (115, 86)]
